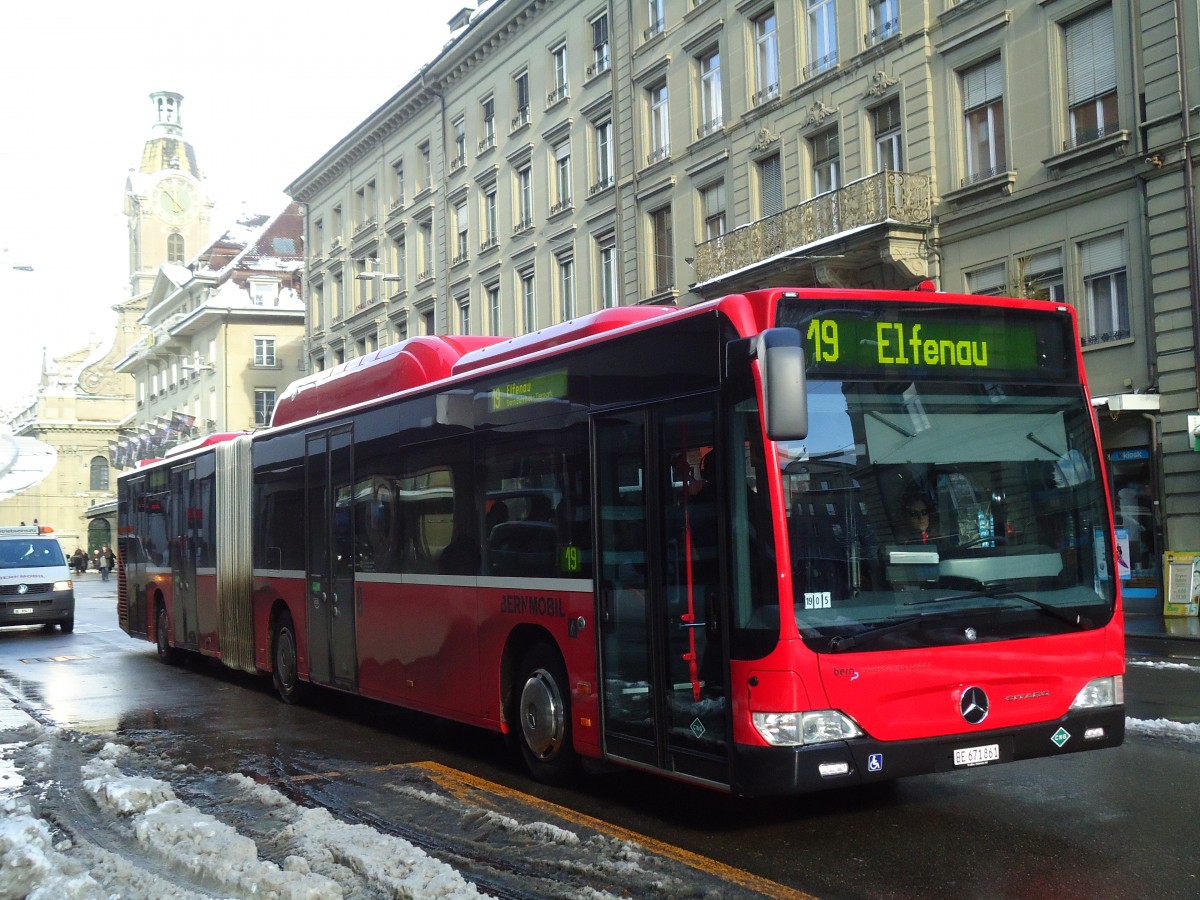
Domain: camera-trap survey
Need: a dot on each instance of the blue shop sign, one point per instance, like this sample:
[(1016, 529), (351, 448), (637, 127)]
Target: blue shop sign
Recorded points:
[(1128, 455)]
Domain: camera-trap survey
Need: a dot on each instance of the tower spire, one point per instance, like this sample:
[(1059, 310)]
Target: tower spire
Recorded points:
[(168, 108)]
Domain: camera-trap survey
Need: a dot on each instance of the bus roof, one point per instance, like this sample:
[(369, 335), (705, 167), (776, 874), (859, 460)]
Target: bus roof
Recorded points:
[(412, 363)]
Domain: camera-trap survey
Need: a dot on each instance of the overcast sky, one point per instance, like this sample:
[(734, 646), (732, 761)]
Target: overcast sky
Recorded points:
[(267, 88)]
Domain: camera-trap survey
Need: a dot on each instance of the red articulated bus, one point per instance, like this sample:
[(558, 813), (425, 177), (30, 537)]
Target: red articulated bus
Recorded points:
[(782, 541)]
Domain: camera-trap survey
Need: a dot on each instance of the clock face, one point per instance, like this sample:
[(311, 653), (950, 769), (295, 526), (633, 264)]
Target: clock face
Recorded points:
[(176, 197)]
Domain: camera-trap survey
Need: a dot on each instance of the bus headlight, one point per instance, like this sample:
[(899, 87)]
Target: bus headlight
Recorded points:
[(793, 729), (1099, 692)]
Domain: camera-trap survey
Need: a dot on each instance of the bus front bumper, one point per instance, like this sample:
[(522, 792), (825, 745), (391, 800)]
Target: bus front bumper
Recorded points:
[(762, 771)]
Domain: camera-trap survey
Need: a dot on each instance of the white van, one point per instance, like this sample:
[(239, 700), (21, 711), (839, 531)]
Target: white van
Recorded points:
[(35, 584)]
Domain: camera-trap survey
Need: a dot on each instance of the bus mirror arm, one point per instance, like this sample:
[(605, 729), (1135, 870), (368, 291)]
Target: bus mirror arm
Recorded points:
[(780, 355)]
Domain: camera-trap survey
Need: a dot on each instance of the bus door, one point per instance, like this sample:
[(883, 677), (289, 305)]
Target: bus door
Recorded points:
[(661, 617), (332, 648), (184, 489)]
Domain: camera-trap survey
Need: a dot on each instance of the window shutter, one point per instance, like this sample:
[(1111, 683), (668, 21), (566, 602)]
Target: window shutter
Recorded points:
[(982, 84), (988, 281), (772, 186), (1091, 56), (1102, 254)]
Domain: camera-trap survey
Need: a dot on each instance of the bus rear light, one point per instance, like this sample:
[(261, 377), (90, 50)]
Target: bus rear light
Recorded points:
[(1098, 692), (795, 729)]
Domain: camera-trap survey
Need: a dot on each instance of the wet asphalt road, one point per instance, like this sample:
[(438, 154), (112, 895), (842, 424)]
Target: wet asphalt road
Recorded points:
[(1115, 824)]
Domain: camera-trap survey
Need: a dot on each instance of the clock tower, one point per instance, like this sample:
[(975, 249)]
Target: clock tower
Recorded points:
[(165, 202)]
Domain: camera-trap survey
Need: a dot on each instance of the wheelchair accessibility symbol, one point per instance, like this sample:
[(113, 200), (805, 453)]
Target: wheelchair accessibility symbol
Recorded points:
[(875, 762)]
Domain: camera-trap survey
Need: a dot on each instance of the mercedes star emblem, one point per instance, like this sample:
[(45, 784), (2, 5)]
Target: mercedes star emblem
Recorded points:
[(974, 705)]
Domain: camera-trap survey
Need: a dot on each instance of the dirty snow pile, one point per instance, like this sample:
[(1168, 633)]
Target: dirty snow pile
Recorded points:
[(212, 856)]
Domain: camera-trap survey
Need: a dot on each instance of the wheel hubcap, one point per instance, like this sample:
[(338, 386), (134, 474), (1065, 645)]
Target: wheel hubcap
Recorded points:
[(541, 714)]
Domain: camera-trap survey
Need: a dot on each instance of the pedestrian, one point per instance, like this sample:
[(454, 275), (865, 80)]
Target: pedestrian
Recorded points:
[(104, 562)]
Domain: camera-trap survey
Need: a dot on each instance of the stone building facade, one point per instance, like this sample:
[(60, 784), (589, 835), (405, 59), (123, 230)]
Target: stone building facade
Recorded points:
[(559, 157)]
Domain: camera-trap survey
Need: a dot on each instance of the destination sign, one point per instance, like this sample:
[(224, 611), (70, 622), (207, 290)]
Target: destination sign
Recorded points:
[(513, 394), (930, 342)]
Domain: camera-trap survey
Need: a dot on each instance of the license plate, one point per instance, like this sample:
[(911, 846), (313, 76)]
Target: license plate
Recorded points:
[(976, 756), (22, 611)]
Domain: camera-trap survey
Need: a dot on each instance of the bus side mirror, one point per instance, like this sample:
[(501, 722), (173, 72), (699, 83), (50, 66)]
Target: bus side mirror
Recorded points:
[(780, 354)]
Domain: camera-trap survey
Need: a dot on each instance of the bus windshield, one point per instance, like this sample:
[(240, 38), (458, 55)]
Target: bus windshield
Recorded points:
[(925, 513)]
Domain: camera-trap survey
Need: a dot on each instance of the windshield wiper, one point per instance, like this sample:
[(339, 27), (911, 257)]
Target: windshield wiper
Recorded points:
[(841, 643), (1049, 608)]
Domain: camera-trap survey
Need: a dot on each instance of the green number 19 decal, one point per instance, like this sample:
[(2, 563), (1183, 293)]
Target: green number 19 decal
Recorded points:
[(823, 338)]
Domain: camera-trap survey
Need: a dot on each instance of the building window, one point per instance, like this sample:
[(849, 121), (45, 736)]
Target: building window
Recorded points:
[(461, 248), (521, 97), (712, 208), (428, 322), (883, 20), (338, 225), (397, 184), (889, 138), (562, 178), (1106, 310), (528, 301), (983, 120), (488, 139), (99, 474), (365, 283), (660, 135), (175, 249), (524, 199), (364, 206), (655, 18), (770, 185), (493, 305), (397, 273), (662, 242), (264, 293), (264, 352), (316, 311), (338, 286), (990, 281), (264, 406), (426, 167), (490, 233), (826, 154), (766, 58), (318, 238), (1042, 276), (460, 144), (711, 113), (1091, 76), (600, 52), (822, 37), (425, 251), (558, 66), (566, 289), (602, 132), (464, 314), (607, 269)]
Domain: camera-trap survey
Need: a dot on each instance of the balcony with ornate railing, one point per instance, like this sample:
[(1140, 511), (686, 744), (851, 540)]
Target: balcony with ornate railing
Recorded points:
[(900, 198)]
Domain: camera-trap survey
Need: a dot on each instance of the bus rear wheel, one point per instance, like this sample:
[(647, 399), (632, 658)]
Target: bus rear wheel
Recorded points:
[(285, 668), (162, 637), (543, 717)]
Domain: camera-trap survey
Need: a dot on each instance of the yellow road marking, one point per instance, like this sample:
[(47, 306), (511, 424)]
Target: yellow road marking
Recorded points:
[(739, 877)]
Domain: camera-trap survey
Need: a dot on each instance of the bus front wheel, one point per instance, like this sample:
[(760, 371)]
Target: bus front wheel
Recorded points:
[(544, 717), (285, 670)]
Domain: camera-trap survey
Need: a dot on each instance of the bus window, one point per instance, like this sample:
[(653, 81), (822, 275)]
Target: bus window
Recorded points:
[(536, 512)]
